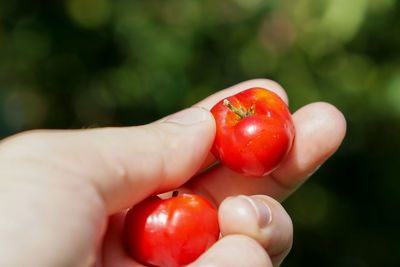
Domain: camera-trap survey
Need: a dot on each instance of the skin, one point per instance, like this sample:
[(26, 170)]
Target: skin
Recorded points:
[(63, 193)]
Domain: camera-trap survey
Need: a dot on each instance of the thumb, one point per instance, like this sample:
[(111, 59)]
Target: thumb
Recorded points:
[(125, 165)]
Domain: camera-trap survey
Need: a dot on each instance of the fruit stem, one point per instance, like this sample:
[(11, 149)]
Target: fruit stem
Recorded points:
[(175, 193), (239, 112)]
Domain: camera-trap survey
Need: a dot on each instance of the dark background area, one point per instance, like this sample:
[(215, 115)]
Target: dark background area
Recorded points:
[(88, 63)]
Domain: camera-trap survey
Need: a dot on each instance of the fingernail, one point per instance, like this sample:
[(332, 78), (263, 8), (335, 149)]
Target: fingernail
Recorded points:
[(188, 116), (263, 212)]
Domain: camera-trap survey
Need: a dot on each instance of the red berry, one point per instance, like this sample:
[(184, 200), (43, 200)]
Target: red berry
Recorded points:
[(171, 232), (254, 132)]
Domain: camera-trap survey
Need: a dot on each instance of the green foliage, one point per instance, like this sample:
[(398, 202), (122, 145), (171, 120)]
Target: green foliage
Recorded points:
[(85, 63)]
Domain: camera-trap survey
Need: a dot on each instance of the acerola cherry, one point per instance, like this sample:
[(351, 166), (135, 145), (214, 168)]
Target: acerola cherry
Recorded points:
[(171, 232), (254, 133)]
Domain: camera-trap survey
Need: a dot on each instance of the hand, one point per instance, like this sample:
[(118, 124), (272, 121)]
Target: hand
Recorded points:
[(63, 193)]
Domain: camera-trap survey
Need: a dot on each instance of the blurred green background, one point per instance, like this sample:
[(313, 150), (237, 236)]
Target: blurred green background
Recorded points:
[(89, 63)]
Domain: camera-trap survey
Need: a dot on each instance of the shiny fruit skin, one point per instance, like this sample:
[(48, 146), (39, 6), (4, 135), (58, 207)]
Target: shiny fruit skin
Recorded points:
[(171, 232), (256, 144)]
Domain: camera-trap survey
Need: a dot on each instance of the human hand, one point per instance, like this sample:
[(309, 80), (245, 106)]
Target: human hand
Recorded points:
[(59, 188)]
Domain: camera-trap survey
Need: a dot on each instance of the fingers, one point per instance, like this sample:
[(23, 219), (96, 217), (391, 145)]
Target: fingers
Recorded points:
[(320, 129), (234, 250), (210, 101), (261, 218), (256, 232), (124, 164)]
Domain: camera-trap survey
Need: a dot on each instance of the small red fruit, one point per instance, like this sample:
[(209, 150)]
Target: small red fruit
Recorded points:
[(171, 232), (254, 133)]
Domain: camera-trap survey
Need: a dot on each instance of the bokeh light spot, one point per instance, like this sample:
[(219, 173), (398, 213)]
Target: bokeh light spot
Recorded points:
[(24, 109), (343, 18), (30, 45), (89, 13), (277, 32)]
